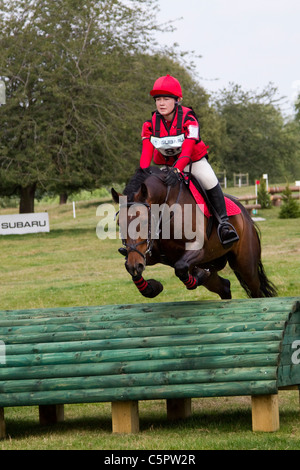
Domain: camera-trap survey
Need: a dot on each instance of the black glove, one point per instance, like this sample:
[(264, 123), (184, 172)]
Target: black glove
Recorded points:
[(172, 177)]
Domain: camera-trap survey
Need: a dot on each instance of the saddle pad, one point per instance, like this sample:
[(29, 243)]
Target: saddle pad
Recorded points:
[(231, 207)]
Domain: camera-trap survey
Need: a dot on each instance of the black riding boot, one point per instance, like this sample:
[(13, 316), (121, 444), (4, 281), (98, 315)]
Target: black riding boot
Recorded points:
[(227, 233)]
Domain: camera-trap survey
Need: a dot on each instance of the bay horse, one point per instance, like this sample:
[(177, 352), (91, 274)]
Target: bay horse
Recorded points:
[(194, 267)]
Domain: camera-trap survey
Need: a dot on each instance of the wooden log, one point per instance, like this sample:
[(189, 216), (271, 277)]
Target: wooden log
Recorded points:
[(261, 361), (150, 332), (10, 327), (236, 314), (145, 354), (288, 375), (251, 197), (144, 327), (167, 309), (97, 351), (139, 393), (178, 356), (125, 417), (51, 414), (179, 408), (94, 335), (280, 189), (121, 343), (2, 424), (173, 351), (140, 379), (265, 413)]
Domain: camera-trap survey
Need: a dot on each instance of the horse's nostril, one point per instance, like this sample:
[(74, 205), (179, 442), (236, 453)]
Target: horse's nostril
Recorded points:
[(140, 268)]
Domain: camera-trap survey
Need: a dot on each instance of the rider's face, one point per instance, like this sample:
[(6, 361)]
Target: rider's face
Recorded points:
[(165, 106)]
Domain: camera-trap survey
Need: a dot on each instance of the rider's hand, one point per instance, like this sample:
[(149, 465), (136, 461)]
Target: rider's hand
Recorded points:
[(172, 177)]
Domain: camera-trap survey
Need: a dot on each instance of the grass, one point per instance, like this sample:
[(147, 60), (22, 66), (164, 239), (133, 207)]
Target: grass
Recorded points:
[(70, 266), (216, 424)]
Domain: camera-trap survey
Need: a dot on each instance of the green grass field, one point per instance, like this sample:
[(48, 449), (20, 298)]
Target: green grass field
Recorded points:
[(70, 266)]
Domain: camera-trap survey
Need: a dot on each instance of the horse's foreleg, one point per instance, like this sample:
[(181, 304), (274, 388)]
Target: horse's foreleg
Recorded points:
[(190, 280), (150, 288)]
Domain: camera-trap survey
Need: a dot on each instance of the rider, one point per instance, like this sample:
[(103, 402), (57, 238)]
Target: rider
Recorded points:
[(173, 135)]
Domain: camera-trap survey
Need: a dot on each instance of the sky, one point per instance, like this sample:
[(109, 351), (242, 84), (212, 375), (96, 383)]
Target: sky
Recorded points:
[(248, 42)]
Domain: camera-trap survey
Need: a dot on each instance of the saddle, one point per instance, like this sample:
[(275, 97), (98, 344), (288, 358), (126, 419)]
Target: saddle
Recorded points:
[(199, 194)]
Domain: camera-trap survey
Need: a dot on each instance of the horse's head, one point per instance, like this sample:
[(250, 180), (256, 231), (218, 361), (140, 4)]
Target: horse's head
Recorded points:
[(135, 228)]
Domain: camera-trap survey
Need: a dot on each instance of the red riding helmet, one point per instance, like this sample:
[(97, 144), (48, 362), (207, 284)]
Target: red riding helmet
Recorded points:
[(168, 86)]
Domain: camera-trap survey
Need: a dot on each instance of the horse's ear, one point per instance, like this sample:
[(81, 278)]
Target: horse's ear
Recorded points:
[(144, 192), (115, 195)]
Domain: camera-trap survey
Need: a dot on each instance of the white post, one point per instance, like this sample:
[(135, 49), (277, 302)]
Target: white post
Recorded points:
[(257, 182), (2, 92), (265, 177), (74, 211)]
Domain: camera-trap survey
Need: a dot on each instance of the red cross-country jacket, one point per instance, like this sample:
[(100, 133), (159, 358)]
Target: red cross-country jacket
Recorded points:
[(168, 141)]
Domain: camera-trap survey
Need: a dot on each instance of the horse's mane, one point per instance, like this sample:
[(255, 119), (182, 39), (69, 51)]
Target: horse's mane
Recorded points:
[(137, 179)]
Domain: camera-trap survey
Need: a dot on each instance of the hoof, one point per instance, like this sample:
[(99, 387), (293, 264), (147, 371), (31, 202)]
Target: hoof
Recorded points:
[(201, 275), (153, 289)]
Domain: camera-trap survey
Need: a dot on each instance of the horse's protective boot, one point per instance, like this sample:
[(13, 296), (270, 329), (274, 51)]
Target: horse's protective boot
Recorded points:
[(226, 232)]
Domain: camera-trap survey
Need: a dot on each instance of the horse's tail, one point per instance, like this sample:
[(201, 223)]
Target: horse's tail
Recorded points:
[(267, 288)]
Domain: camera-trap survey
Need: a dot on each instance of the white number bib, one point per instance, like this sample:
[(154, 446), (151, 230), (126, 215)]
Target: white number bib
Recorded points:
[(168, 146)]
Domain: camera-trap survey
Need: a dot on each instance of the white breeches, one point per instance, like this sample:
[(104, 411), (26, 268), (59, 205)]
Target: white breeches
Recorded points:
[(204, 173)]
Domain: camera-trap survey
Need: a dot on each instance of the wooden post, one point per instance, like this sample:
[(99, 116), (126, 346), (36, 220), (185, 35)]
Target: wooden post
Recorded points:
[(179, 408), (2, 424), (51, 414), (125, 417), (265, 413)]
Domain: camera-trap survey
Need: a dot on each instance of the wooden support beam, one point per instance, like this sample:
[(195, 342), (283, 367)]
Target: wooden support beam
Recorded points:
[(2, 424), (51, 414), (265, 413), (125, 417), (179, 408)]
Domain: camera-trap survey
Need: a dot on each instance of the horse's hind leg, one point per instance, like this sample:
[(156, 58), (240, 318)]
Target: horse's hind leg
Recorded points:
[(247, 273), (219, 285)]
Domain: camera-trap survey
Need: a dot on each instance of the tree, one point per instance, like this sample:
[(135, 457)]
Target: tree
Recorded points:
[(256, 138), (297, 108), (78, 93), (290, 208), (62, 125), (263, 197)]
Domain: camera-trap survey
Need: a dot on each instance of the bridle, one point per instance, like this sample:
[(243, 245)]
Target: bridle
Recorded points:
[(149, 241)]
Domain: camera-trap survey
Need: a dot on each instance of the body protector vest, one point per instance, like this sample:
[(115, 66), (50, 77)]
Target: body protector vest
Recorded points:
[(168, 139), (168, 145)]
